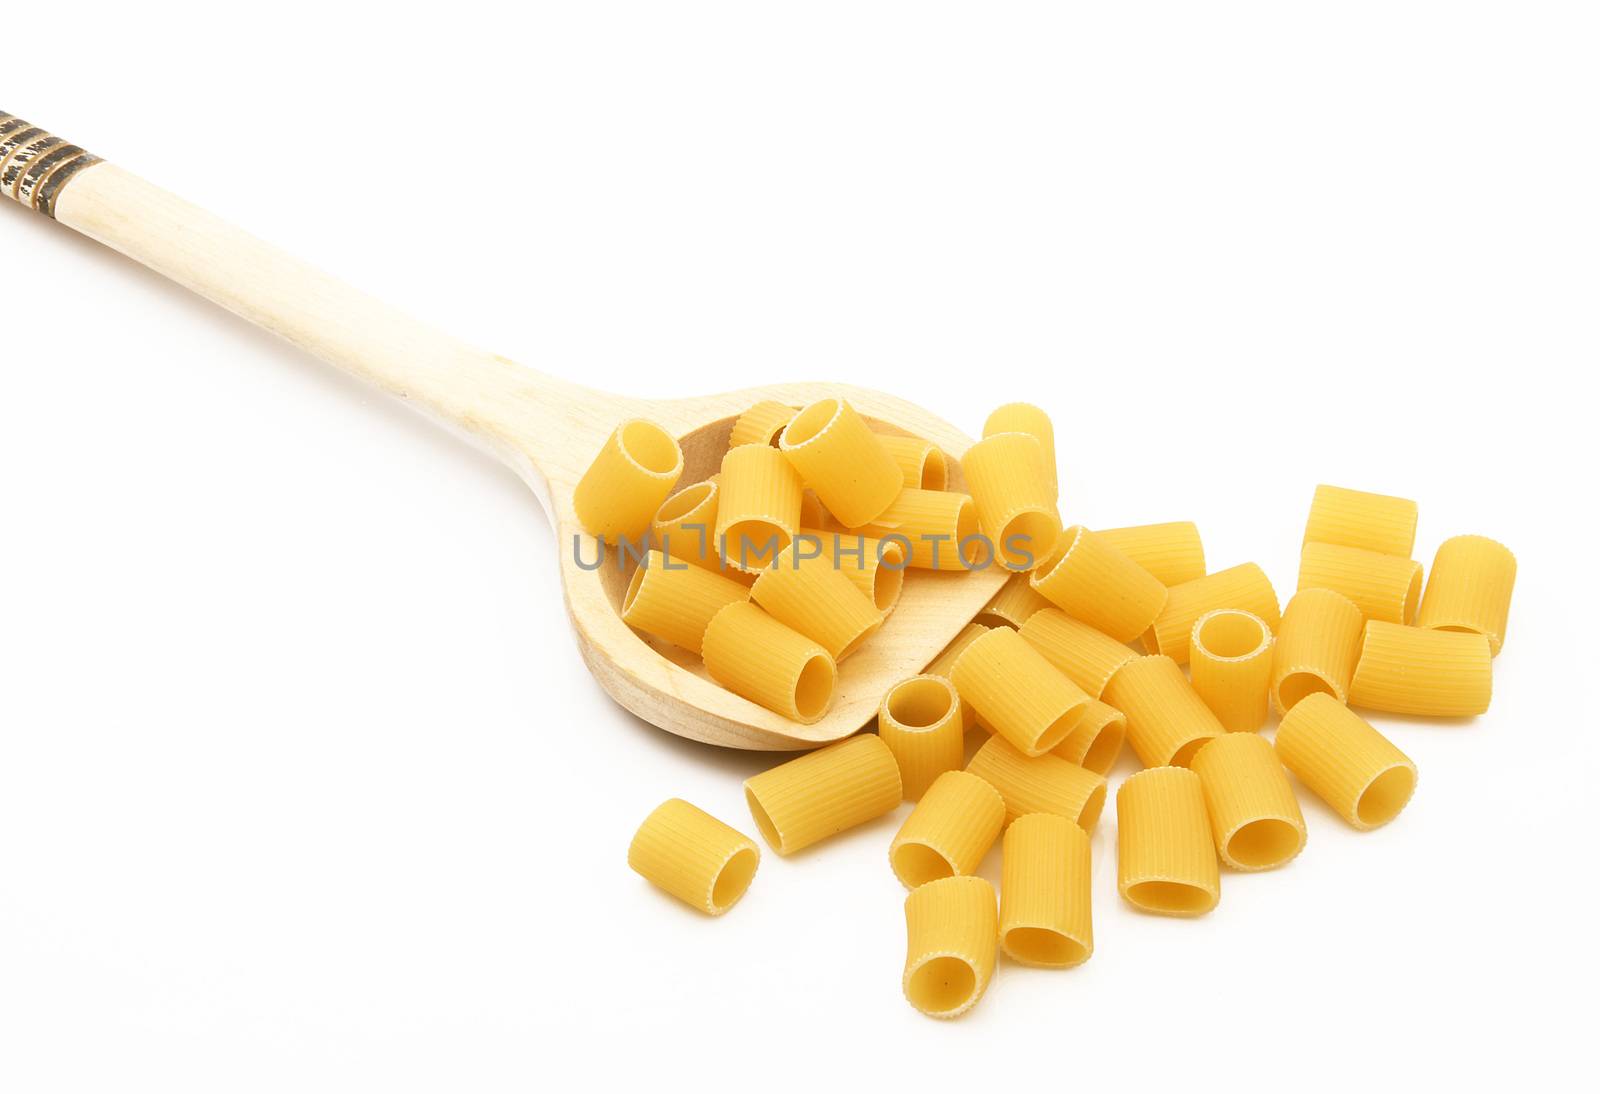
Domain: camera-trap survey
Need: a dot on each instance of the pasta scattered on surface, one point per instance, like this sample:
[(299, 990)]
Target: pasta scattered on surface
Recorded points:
[(1245, 587), (1015, 497), (1354, 518), (1094, 582), (1096, 741), (823, 793), (1172, 552), (1230, 667), (951, 930), (1166, 861), (1469, 589), (1088, 657), (1027, 418), (1316, 648), (1045, 905), (949, 831), (694, 856), (1255, 818), (1013, 604), (1040, 784), (1016, 692), (920, 720), (1385, 587), (1409, 670), (1167, 721), (1345, 762)]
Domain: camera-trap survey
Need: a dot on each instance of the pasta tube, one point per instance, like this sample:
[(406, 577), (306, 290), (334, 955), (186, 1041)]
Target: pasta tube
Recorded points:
[(761, 424), (1385, 587), (1166, 863), (1172, 552), (686, 524), (1408, 670), (1027, 418), (922, 463), (816, 600), (950, 944), (1470, 589), (1167, 722), (1013, 689), (758, 510), (1345, 762), (1354, 518), (1016, 501), (876, 567), (753, 655), (1255, 818), (1230, 666), (949, 831), (813, 514), (1098, 584), (674, 601), (842, 460), (1316, 648), (1096, 741), (1013, 604), (946, 661), (1245, 587), (694, 856), (631, 476), (824, 792), (920, 721), (1088, 657), (1040, 784), (1045, 916), (939, 530)]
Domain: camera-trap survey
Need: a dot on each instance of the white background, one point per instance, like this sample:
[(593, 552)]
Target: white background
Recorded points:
[(302, 782)]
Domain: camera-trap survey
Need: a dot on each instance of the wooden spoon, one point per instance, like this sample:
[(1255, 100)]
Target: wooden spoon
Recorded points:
[(545, 429)]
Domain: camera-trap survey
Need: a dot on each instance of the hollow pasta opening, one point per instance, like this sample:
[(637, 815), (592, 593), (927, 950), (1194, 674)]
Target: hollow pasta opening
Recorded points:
[(1032, 534), (686, 501), (769, 831), (1104, 749), (920, 702), (917, 864), (1230, 634), (942, 985), (1185, 754), (1089, 815), (1408, 610), (974, 550), (855, 643), (886, 584), (1042, 946), (1263, 843), (935, 470), (634, 584), (1171, 897), (651, 447), (734, 879), (813, 689), (753, 544), (1064, 546), (1385, 796), (1297, 685), (810, 423), (1057, 731)]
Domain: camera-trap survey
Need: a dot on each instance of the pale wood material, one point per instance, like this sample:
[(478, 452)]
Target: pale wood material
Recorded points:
[(547, 430)]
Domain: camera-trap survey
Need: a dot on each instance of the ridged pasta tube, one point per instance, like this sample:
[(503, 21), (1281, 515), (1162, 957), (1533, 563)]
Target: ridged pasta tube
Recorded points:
[(824, 792), (1013, 604), (1172, 552), (937, 529), (632, 475), (949, 831), (1316, 648), (1018, 693), (1167, 721), (761, 424), (842, 460), (922, 463), (875, 567), (685, 526), (694, 856), (951, 931), (946, 662), (1166, 861), (758, 510), (1469, 589), (1096, 741), (1345, 762), (1355, 518), (753, 655), (1385, 587), (1045, 906), (1015, 497), (1027, 418), (920, 720), (674, 601), (1094, 582), (1255, 818), (1244, 586), (818, 601), (1230, 667), (1408, 670), (1088, 657), (1040, 784)]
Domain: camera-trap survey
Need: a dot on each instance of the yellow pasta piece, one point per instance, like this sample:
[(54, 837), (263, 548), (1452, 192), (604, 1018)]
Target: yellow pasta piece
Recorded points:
[(753, 655), (1040, 784), (1230, 666), (674, 601), (1354, 518), (876, 567), (1316, 647), (1255, 819), (1470, 589), (950, 944), (920, 720), (1385, 587), (922, 463), (1166, 862), (694, 856), (1027, 418), (813, 514), (1013, 689), (824, 792), (1172, 552), (761, 424), (627, 482), (938, 529), (1345, 762), (1096, 583), (1013, 604), (1045, 918), (842, 460), (1408, 670), (1245, 587), (819, 602), (1167, 722), (946, 661), (1088, 657), (685, 526), (1096, 741), (758, 510), (949, 831), (1015, 498)]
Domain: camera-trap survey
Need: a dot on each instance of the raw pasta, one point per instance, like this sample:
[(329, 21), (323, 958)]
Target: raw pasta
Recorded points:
[(1167, 721), (1230, 666), (876, 567), (753, 655), (1027, 418), (1354, 518), (694, 856), (829, 444), (920, 720), (1244, 586), (674, 601), (631, 476), (1045, 918), (1345, 762), (1166, 862), (758, 510), (949, 831), (823, 793), (922, 463), (818, 601), (1255, 818), (950, 945), (685, 526), (1316, 648), (1040, 784), (946, 661), (761, 424), (1384, 587), (1088, 657), (1409, 670), (1011, 486), (1469, 589), (1013, 604), (1018, 693), (1096, 741), (1172, 552), (1094, 582), (938, 529)]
